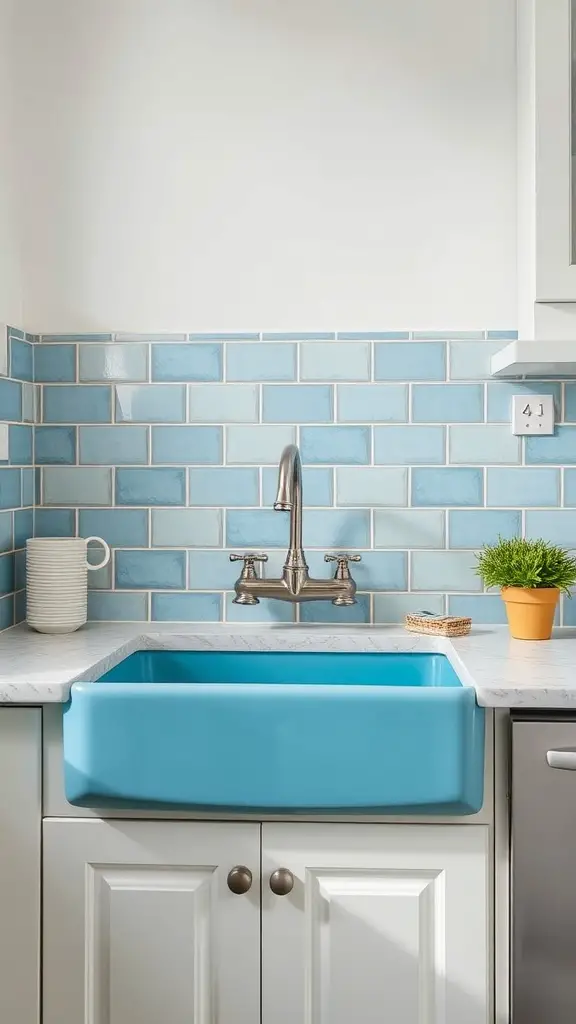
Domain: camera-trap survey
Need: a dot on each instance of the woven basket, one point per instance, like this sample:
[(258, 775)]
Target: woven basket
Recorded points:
[(447, 625)]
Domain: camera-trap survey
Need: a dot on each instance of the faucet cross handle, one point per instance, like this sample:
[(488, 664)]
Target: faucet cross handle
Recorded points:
[(342, 568), (249, 559)]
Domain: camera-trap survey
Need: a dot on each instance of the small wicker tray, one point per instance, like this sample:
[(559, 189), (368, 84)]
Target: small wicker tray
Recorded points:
[(438, 625)]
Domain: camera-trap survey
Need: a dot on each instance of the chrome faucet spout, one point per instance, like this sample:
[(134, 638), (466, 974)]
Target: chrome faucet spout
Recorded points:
[(289, 499)]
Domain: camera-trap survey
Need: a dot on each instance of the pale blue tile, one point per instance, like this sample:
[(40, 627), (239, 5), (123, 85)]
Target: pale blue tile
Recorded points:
[(408, 361), (30, 486), (186, 528), (186, 607), (23, 526), (257, 528), (6, 612), (150, 570), (470, 360), (113, 362), (151, 486), (186, 362), (143, 338), (124, 445), (55, 363), (558, 448), (409, 445), (378, 570), (372, 403), (325, 611), (483, 444), (21, 360), (444, 570), (392, 608), (66, 338), (409, 528), (6, 537), (298, 336), (500, 393), (84, 403), (119, 527), (522, 487), (558, 526), (568, 611), (473, 528), (298, 403), (66, 485), (6, 574), (317, 485), (266, 611), (342, 445), (444, 487), (10, 399), (150, 403), (15, 332), (570, 402), (30, 400), (212, 570), (262, 445), (447, 403), (21, 445), (56, 522), (187, 445), (570, 487), (371, 486), (55, 445), (10, 489), (223, 403), (448, 335), (225, 336), (334, 529), (481, 608), (98, 579), (335, 361), (503, 335), (117, 607), (227, 487), (261, 362), (373, 335)]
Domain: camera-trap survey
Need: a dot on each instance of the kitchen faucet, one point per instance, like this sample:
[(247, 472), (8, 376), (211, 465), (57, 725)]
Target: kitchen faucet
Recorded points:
[(295, 584)]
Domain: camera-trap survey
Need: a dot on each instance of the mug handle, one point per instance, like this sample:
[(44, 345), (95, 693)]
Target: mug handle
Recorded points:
[(106, 558)]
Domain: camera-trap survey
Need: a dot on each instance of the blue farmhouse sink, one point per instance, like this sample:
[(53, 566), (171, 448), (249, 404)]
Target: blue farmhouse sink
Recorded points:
[(276, 731)]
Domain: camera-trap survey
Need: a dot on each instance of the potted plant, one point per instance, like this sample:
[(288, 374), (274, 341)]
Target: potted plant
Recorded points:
[(531, 575)]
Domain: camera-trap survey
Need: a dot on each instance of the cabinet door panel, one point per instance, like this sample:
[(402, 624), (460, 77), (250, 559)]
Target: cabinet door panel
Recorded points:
[(384, 923), (140, 926)]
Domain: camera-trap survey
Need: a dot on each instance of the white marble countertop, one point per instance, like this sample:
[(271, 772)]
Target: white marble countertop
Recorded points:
[(37, 669)]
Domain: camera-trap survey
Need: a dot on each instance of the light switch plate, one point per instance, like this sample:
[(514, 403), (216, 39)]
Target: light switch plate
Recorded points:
[(533, 414), (3, 350)]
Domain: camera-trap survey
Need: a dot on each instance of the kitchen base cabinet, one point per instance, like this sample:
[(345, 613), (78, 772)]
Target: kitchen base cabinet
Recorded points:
[(383, 923), (140, 926)]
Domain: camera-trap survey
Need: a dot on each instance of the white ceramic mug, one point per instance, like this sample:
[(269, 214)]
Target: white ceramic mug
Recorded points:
[(57, 582)]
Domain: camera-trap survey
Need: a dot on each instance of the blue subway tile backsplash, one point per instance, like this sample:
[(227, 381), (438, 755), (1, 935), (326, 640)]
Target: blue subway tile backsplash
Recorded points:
[(167, 446)]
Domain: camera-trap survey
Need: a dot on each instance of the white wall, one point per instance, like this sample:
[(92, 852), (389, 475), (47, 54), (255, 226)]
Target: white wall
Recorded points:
[(207, 164), (10, 279)]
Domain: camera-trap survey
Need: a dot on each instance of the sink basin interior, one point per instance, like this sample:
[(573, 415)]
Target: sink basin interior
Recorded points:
[(278, 667)]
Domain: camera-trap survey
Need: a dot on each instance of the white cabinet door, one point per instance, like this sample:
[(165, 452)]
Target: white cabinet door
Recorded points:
[(385, 923), (140, 926)]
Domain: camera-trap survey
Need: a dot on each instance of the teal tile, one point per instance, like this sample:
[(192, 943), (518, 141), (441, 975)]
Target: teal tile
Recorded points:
[(298, 336), (30, 486), (447, 403), (481, 608), (570, 402), (503, 335), (6, 612), (335, 361), (187, 445), (55, 445), (371, 486), (298, 403), (113, 362), (317, 486), (67, 338), (372, 403), (23, 526), (262, 445), (225, 336), (123, 445), (67, 485), (409, 528), (443, 487), (409, 445), (150, 570), (57, 522), (185, 527), (11, 489), (392, 608), (76, 403), (6, 535), (373, 335), (7, 584), (186, 362), (558, 526), (117, 607), (21, 360), (558, 448), (448, 335), (119, 527), (224, 486), (500, 393), (55, 363), (444, 570), (186, 607), (408, 361), (262, 361), (10, 400), (522, 487), (343, 445), (223, 403), (151, 486), (471, 528), (470, 360), (21, 444), (483, 444), (150, 403)]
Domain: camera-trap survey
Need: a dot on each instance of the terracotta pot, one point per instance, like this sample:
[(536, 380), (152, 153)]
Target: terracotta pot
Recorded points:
[(530, 611)]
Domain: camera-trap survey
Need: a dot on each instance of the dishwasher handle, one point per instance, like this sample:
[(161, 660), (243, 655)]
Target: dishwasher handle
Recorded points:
[(562, 757)]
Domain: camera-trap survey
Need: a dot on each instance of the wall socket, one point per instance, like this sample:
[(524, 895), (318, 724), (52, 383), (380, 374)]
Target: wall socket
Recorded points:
[(533, 414)]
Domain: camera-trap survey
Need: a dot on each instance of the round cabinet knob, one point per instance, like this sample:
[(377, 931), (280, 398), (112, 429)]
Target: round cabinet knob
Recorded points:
[(281, 882), (239, 879)]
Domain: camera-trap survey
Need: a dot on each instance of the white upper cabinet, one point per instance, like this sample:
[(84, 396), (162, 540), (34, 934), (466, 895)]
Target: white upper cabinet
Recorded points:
[(546, 147)]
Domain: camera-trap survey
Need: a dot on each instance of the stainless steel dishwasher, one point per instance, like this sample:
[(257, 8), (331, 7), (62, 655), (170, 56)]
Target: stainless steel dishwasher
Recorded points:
[(543, 927)]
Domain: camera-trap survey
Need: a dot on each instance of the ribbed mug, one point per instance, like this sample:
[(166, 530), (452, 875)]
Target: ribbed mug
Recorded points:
[(57, 582)]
